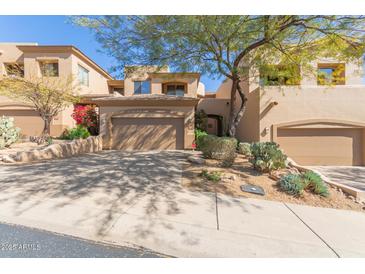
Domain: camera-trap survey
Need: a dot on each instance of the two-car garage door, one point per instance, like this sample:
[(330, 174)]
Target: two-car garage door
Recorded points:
[(323, 146), (147, 133)]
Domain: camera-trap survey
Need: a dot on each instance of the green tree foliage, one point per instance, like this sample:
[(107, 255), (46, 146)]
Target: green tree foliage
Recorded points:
[(235, 47), (48, 95)]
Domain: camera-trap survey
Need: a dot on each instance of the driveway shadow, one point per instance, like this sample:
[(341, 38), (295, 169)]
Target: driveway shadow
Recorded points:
[(110, 180)]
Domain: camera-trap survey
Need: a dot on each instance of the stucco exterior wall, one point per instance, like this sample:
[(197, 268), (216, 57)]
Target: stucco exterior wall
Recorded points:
[(306, 103), (138, 74), (224, 90), (270, 105), (98, 84), (190, 82), (248, 128), (158, 78)]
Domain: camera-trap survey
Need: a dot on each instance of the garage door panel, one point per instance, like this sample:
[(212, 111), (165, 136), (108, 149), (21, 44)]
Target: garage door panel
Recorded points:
[(147, 134), (322, 146)]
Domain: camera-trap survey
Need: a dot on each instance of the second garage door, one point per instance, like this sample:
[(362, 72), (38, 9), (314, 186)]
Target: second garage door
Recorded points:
[(148, 133), (29, 121), (325, 146)]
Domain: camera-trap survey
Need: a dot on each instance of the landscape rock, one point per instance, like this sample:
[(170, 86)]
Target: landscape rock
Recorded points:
[(61, 150), (196, 160), (230, 177), (7, 159)]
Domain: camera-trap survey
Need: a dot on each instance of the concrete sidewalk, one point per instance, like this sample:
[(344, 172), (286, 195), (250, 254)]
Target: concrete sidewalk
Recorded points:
[(244, 227), (137, 199)]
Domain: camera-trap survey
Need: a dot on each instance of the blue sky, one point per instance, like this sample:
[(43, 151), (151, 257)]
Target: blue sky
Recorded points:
[(55, 30)]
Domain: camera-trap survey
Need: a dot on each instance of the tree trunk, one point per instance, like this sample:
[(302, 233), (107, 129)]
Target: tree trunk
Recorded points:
[(235, 117), (47, 125), (231, 131)]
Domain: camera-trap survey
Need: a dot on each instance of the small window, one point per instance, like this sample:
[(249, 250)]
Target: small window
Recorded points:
[(331, 74), (142, 87), (277, 75), (49, 69), (175, 89), (83, 75), (14, 69)]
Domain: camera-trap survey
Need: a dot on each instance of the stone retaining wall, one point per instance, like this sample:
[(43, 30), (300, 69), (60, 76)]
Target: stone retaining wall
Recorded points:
[(63, 150)]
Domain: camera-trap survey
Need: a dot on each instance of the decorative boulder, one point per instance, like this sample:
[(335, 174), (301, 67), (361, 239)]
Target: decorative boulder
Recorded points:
[(196, 160)]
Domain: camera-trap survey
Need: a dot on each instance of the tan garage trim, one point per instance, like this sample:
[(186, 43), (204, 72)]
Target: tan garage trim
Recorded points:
[(147, 133)]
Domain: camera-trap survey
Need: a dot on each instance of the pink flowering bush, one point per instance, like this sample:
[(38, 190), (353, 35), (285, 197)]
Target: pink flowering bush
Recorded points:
[(86, 116)]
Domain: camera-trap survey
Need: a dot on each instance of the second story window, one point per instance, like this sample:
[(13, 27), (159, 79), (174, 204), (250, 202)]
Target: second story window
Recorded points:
[(175, 89), (83, 76), (277, 75), (14, 69), (142, 87), (49, 68), (331, 74)]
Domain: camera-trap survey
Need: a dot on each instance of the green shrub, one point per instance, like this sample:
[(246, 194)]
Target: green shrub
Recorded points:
[(198, 136), (267, 156), (9, 134), (244, 149), (49, 141), (219, 148), (214, 176), (292, 184), (79, 132), (315, 183)]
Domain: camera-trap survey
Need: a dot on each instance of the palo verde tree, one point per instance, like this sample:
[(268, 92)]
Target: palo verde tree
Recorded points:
[(235, 47), (48, 95)]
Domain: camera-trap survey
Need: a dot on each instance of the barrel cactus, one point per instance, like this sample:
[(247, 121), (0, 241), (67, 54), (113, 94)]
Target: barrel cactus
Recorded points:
[(9, 134)]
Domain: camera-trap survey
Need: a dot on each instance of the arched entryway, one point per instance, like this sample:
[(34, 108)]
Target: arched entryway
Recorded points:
[(215, 124)]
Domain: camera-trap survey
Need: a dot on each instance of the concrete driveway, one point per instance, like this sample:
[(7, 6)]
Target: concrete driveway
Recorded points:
[(137, 199), (353, 176)]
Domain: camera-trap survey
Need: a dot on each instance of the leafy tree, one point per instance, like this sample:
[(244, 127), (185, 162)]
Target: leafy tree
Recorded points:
[(48, 95), (236, 47)]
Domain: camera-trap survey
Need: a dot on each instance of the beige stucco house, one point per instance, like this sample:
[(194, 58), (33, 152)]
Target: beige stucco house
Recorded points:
[(154, 110), (61, 61), (315, 123), (151, 108)]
